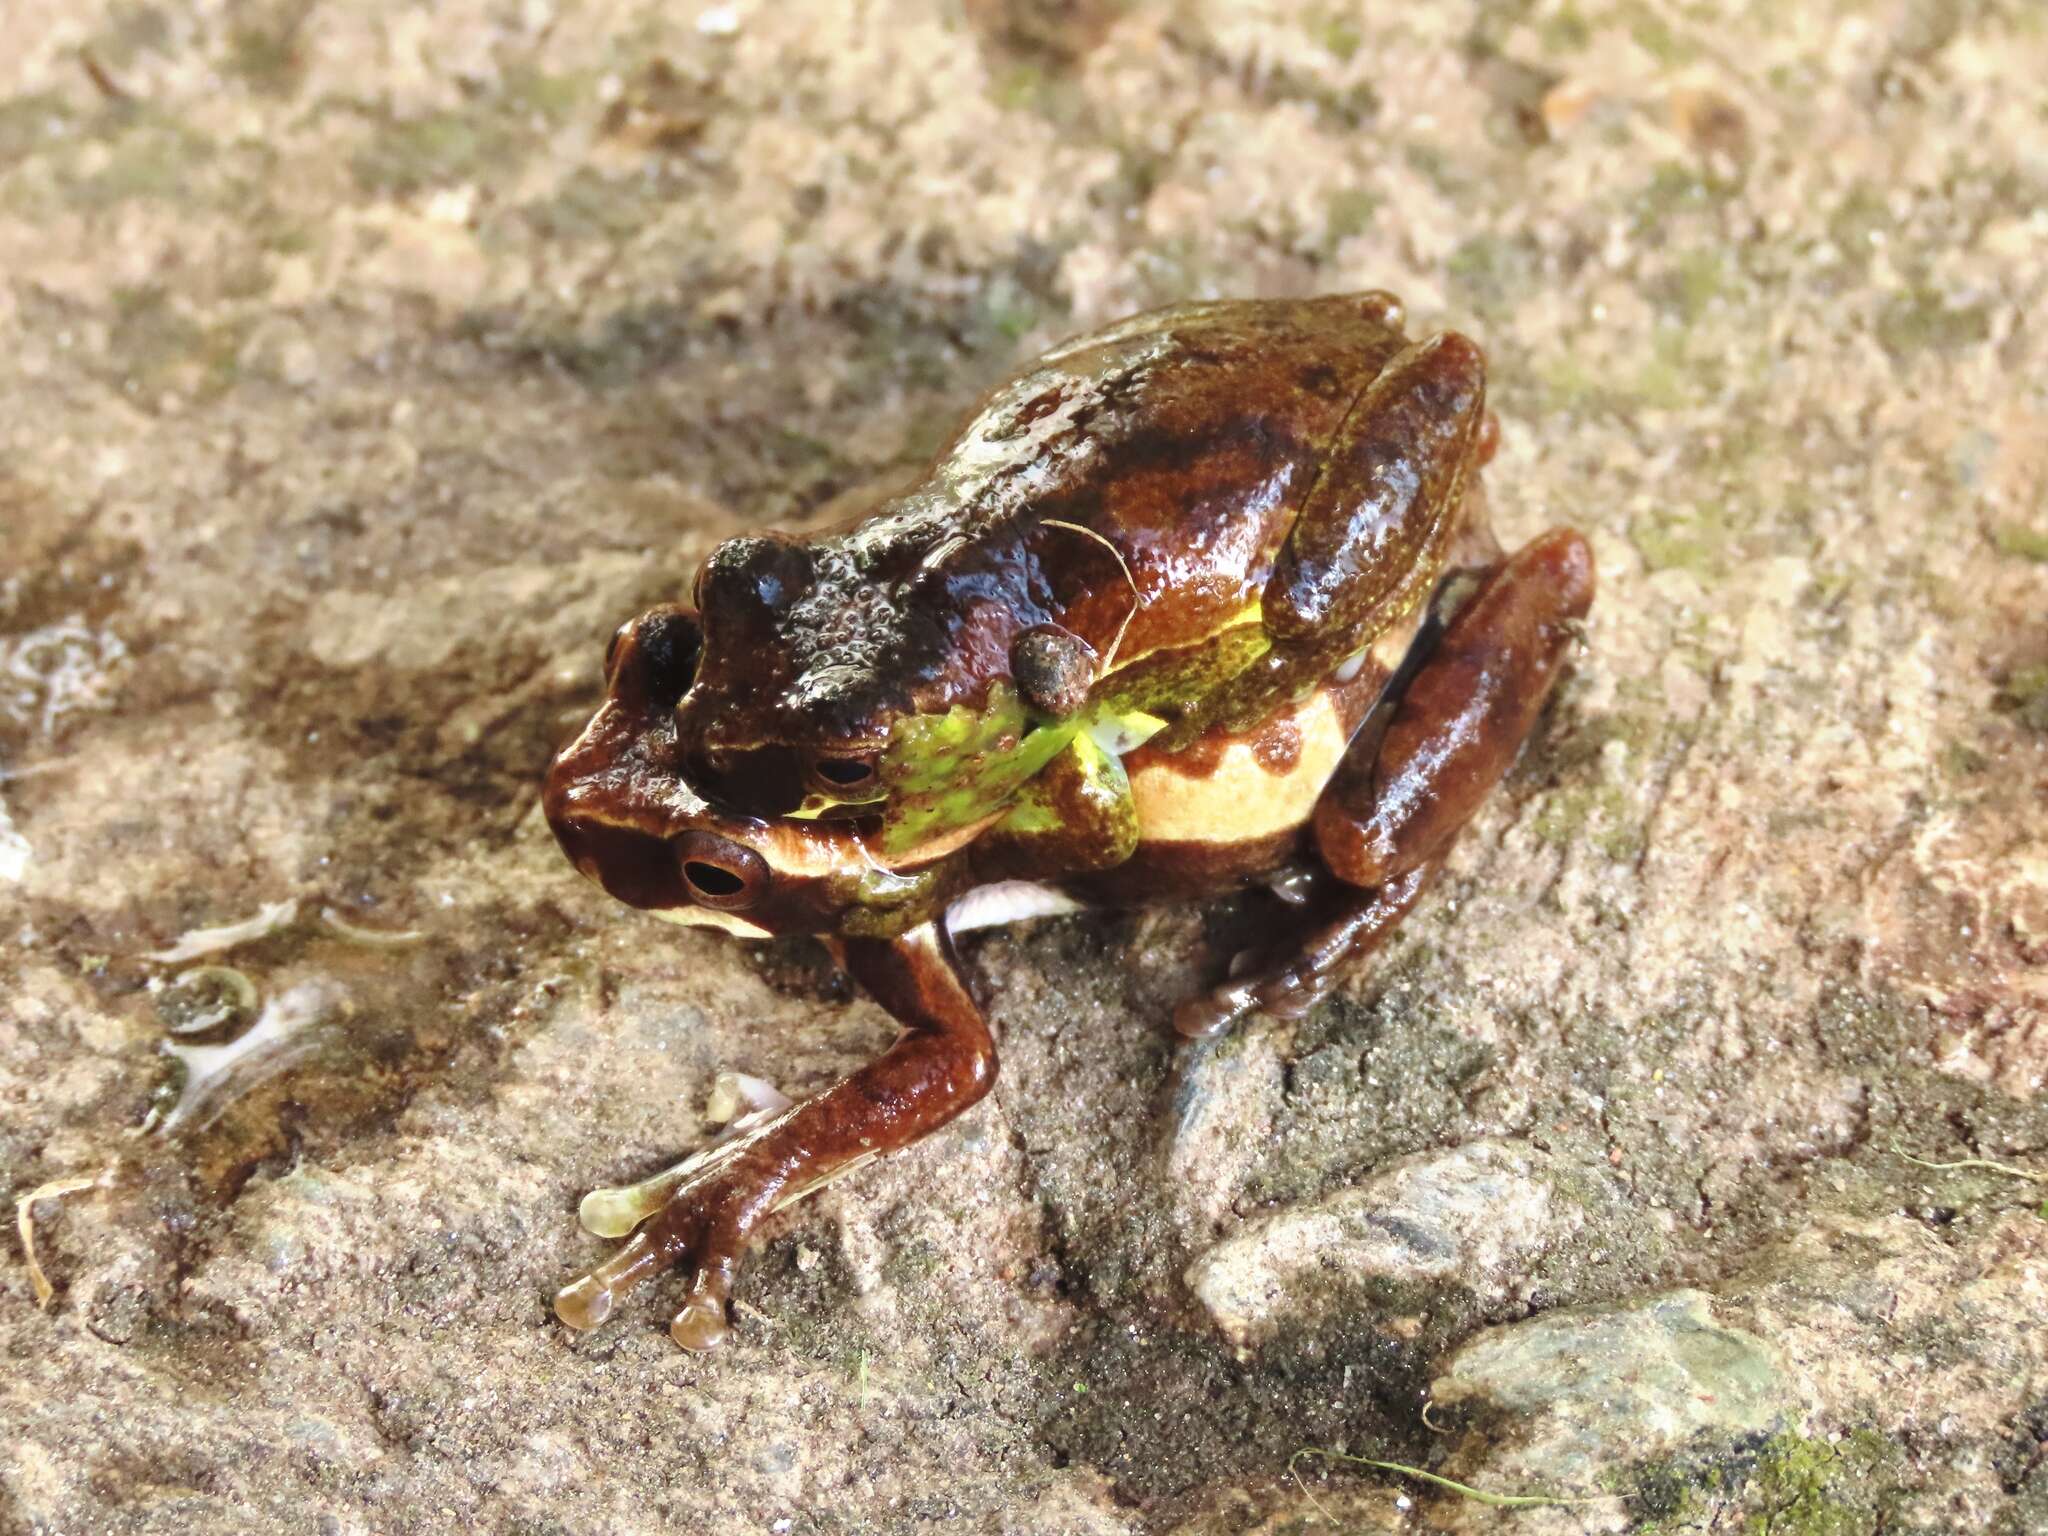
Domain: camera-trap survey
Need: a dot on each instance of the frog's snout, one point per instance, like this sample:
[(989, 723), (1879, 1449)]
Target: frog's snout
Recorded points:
[(638, 869), (720, 873)]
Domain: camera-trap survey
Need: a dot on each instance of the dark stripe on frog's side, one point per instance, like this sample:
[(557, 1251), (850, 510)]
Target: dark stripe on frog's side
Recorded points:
[(1192, 468)]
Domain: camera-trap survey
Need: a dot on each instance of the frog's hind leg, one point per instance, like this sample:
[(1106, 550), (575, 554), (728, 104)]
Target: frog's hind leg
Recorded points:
[(1349, 923), (1373, 532), (942, 1062), (1387, 820)]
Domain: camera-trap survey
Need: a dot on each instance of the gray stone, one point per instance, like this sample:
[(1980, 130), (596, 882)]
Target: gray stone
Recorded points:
[(1464, 1219), (1802, 1387), (1572, 1397)]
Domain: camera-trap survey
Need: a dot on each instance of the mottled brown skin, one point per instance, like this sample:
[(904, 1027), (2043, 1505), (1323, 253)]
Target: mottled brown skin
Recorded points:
[(1191, 443), (1260, 521)]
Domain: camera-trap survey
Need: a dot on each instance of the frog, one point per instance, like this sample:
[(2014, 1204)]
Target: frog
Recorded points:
[(1205, 602)]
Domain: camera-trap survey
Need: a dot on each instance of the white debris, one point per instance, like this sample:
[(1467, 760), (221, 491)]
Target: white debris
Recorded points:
[(209, 941), (14, 849), (283, 1035), (51, 672)]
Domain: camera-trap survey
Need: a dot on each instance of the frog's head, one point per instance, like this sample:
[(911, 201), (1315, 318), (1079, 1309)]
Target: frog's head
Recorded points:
[(813, 656), (625, 811), (743, 741)]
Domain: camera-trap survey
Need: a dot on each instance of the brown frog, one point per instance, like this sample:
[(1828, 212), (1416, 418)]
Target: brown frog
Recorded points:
[(1201, 601)]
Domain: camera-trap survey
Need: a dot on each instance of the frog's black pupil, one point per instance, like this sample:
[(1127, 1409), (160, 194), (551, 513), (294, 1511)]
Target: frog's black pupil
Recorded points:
[(712, 880), (843, 770)]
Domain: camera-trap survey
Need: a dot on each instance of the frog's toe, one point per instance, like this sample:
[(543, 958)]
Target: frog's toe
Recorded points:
[(584, 1303), (1210, 1013), (1290, 992), (701, 1324), (588, 1300), (1284, 991), (696, 1224)]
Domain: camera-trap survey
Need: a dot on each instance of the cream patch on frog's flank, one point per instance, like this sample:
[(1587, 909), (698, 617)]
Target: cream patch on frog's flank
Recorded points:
[(1242, 798)]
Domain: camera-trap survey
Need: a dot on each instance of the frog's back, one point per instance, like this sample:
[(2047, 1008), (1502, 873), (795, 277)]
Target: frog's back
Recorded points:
[(1183, 439), (1150, 472), (1186, 438)]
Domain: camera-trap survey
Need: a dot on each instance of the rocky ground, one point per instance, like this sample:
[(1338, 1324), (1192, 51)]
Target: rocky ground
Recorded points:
[(364, 364)]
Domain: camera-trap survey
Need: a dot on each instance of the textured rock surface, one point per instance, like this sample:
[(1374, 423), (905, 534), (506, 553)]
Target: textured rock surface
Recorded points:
[(1577, 1393), (1872, 1327), (362, 364), (1475, 1218)]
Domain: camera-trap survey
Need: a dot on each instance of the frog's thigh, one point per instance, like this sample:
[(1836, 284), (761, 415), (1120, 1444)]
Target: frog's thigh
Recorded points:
[(1372, 531), (1461, 720)]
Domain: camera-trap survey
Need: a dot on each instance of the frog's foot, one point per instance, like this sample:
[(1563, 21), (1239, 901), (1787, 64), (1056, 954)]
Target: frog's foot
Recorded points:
[(685, 1226), (706, 1223), (706, 1211), (1289, 986), (675, 1206)]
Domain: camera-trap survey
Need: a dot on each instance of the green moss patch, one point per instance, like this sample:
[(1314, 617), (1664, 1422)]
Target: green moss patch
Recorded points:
[(2025, 694), (1789, 1485), (488, 141), (1922, 320), (1694, 538), (151, 157), (28, 123)]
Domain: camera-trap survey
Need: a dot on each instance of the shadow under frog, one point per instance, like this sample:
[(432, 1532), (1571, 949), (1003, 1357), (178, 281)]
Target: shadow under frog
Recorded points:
[(1202, 601)]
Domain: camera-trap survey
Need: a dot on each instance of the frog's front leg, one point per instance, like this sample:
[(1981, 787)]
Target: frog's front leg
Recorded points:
[(1386, 822), (942, 1062)]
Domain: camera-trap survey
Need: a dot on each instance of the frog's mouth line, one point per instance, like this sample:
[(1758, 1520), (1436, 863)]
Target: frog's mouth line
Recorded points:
[(704, 917)]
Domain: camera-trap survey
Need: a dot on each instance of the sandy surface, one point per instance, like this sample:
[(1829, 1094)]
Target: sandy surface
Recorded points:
[(362, 365)]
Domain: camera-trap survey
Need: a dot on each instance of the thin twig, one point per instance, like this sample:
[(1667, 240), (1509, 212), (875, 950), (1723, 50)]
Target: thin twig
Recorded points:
[(25, 1225), (1466, 1490), (1109, 658), (104, 82), (1972, 1162)]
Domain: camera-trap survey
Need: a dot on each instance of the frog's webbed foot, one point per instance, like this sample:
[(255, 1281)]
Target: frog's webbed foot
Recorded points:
[(707, 1225), (708, 1209), (751, 1108)]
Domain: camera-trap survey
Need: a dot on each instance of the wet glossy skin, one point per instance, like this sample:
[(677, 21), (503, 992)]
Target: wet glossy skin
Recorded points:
[(1204, 600)]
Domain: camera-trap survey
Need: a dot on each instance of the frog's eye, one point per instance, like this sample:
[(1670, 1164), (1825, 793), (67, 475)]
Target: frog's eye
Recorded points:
[(722, 874), (835, 774), (653, 659)]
